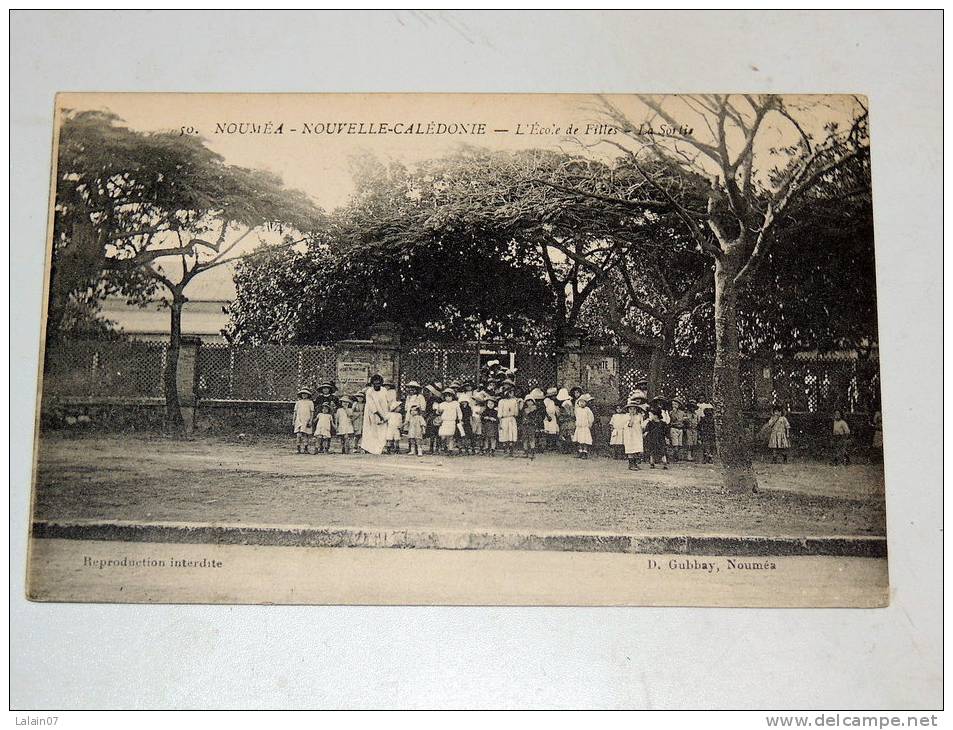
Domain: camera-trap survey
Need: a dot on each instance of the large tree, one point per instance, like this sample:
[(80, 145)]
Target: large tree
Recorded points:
[(762, 155), (383, 256), (147, 213)]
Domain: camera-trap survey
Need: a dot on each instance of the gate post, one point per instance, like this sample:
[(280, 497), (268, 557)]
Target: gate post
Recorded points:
[(187, 379)]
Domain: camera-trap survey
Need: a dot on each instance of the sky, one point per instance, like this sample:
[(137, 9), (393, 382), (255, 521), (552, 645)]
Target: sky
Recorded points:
[(321, 133)]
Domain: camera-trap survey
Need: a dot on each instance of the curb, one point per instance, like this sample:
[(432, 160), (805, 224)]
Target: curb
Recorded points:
[(591, 542)]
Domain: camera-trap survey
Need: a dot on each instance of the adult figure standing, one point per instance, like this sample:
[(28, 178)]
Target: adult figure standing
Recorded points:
[(376, 408)]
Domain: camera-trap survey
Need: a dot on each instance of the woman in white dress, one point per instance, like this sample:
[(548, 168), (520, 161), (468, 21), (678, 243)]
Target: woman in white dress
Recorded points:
[(376, 408)]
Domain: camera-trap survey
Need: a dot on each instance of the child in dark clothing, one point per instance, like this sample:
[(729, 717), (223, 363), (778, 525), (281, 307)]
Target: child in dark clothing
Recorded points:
[(491, 427), (656, 434), (466, 426)]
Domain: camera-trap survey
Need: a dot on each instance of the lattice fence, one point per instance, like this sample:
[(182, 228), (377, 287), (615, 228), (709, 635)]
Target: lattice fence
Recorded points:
[(813, 387), (536, 367), (429, 362), (105, 369), (267, 373)]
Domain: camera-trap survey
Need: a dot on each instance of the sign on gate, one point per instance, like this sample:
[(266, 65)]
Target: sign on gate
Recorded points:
[(352, 376)]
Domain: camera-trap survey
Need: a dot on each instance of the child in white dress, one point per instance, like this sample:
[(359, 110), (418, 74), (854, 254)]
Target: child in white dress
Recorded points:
[(395, 420), (415, 430), (632, 432), (322, 429), (303, 413), (584, 420), (617, 424), (449, 412), (342, 424)]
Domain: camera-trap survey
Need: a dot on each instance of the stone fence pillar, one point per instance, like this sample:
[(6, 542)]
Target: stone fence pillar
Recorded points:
[(187, 378), (358, 360)]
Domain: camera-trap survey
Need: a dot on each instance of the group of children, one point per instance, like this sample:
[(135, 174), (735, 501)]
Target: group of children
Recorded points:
[(464, 418)]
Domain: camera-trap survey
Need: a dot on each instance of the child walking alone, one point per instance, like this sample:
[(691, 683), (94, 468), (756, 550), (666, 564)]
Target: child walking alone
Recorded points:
[(779, 435), (841, 439)]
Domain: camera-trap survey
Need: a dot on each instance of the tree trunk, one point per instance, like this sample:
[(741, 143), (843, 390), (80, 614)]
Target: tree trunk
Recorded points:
[(733, 449), (559, 322), (175, 423), (658, 364)]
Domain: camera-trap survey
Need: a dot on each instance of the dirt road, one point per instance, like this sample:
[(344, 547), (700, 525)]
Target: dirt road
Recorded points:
[(263, 482)]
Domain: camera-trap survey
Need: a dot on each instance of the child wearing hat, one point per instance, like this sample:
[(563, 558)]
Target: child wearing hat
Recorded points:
[(415, 429), (617, 425), (656, 431), (584, 421), (448, 412), (778, 435), (303, 414), (322, 428), (357, 418), (632, 432), (414, 397), (342, 424), (491, 427), (395, 420), (432, 419), (551, 419), (325, 395), (531, 421), (567, 421), (508, 409)]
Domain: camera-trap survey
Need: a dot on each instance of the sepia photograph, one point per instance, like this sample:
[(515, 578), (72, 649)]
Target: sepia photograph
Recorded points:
[(490, 349)]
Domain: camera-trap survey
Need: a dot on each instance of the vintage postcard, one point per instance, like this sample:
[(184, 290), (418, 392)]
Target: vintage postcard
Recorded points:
[(460, 349)]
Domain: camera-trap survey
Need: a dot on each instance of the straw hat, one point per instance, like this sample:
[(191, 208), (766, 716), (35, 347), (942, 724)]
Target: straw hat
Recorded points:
[(432, 390), (563, 395), (413, 384), (345, 399), (584, 398), (306, 391), (451, 391), (550, 391), (509, 383), (358, 396), (535, 394), (637, 394), (329, 385)]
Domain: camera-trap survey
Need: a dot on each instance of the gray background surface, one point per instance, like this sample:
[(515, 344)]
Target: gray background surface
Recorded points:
[(69, 656)]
